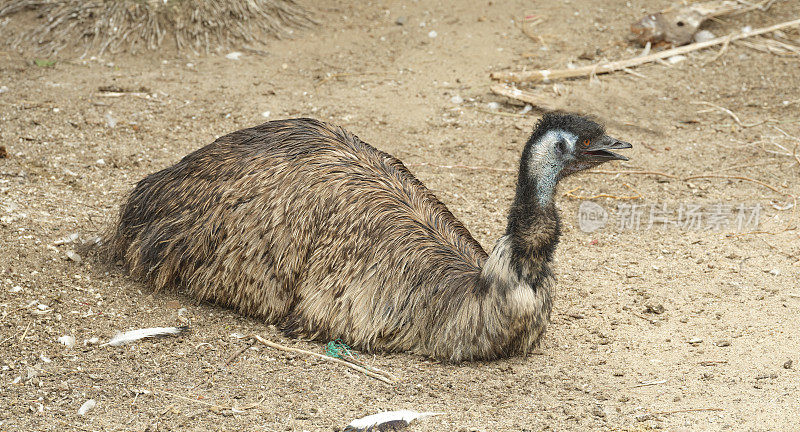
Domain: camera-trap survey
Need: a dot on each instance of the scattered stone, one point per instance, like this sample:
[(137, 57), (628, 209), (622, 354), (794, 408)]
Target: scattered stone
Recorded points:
[(265, 114), (3, 89), (494, 106), (236, 55), (401, 20), (67, 239), (597, 411), (787, 364), (88, 405), (774, 272), (657, 309), (722, 343), (458, 100), (676, 59), (695, 341), (704, 36), (67, 341), (15, 289), (110, 120), (100, 162), (3, 152), (432, 34), (73, 256)]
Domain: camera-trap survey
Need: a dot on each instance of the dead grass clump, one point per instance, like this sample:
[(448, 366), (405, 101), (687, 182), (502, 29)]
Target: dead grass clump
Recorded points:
[(100, 26)]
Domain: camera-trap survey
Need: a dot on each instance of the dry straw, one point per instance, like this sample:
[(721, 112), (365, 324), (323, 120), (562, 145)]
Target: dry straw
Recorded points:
[(103, 26)]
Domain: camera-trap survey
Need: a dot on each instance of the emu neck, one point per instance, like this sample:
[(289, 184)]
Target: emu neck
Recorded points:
[(522, 255)]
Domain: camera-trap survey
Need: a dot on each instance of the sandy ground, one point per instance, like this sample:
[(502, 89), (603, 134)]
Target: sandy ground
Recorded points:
[(673, 328)]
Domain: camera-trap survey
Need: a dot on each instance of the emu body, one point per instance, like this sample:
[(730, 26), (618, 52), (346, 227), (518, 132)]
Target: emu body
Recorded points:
[(302, 224)]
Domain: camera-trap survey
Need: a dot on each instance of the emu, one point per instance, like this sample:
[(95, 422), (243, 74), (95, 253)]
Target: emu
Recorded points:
[(302, 224)]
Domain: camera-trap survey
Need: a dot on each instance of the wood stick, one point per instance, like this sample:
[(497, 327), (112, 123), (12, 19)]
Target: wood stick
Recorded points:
[(522, 96), (238, 352), (601, 68), (604, 195), (656, 173), (770, 187), (324, 357), (688, 410)]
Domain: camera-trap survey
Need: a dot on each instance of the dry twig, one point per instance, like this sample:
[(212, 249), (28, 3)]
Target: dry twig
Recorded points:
[(355, 367), (570, 194), (601, 68), (730, 113)]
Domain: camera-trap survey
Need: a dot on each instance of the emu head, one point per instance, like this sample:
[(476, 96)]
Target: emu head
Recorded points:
[(561, 145)]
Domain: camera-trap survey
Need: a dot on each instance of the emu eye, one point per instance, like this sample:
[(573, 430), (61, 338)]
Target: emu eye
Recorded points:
[(562, 146), (586, 142)]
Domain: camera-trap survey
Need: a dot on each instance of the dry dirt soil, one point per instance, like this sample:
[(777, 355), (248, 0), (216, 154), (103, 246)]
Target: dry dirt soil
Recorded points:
[(671, 328)]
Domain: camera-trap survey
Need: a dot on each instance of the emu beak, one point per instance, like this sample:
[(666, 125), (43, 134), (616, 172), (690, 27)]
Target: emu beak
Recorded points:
[(599, 150)]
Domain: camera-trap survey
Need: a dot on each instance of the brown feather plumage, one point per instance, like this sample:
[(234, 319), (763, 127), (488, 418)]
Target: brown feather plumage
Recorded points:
[(302, 224)]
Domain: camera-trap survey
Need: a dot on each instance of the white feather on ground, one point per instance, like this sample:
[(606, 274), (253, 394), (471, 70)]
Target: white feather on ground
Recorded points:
[(134, 335), (386, 421)]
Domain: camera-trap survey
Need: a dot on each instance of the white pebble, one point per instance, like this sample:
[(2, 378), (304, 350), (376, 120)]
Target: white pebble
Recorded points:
[(42, 307), (100, 162), (493, 106), (703, 36), (747, 29), (44, 358), (110, 120), (73, 256), (89, 404), (695, 341), (676, 59), (67, 239), (458, 100), (265, 114), (15, 289), (432, 34), (233, 55), (3, 89), (67, 340)]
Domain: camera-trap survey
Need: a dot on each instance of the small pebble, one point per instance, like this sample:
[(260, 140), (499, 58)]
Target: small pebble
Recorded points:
[(110, 120), (100, 162), (233, 55), (432, 34), (3, 89), (89, 404), (67, 340), (747, 29), (73, 256), (265, 114), (787, 364), (676, 59), (695, 341), (458, 100), (15, 289), (657, 309), (493, 106), (722, 343), (703, 36), (67, 239), (401, 20)]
